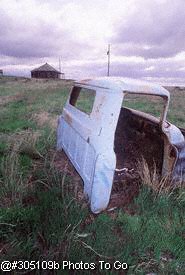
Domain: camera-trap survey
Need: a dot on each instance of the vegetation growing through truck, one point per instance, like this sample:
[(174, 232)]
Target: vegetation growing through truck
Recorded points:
[(43, 213), (106, 146)]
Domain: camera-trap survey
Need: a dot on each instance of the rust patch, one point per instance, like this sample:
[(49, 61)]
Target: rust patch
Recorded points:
[(68, 119), (135, 138), (138, 138)]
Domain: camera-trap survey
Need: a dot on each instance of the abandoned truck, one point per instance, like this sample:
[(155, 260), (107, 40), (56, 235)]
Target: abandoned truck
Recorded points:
[(109, 138)]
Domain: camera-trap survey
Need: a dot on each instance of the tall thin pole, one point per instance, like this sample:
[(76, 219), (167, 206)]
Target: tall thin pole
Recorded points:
[(59, 64), (108, 53)]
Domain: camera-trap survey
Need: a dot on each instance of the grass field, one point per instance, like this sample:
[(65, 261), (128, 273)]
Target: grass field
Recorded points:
[(42, 216)]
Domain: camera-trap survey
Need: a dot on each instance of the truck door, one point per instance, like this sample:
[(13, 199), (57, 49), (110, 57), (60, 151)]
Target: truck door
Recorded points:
[(74, 133)]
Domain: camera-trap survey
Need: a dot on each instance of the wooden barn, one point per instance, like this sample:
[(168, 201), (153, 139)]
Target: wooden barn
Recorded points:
[(46, 71)]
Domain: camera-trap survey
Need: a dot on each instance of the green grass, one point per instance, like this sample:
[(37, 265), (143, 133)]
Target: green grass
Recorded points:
[(156, 232), (85, 100), (149, 104), (42, 217), (154, 105)]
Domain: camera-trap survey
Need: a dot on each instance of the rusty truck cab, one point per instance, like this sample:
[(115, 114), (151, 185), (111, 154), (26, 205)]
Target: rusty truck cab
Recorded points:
[(109, 138)]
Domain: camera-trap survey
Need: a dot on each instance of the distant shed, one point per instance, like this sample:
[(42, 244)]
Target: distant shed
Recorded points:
[(46, 71), (1, 72)]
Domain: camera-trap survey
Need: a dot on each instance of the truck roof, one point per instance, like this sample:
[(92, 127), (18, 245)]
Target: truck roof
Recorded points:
[(125, 84)]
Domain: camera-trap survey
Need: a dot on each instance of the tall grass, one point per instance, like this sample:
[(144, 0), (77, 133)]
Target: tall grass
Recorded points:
[(42, 216)]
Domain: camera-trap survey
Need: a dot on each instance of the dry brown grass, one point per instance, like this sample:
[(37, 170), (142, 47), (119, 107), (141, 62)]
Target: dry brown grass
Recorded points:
[(160, 185), (44, 118)]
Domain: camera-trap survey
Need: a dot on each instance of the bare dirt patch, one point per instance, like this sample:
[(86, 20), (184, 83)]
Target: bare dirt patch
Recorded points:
[(45, 118), (63, 164), (9, 98)]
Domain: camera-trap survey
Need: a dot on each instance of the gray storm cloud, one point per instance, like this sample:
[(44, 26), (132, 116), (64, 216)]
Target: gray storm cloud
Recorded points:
[(153, 29), (147, 37), (36, 35)]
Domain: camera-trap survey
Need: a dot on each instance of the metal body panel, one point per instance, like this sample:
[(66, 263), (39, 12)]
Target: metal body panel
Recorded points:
[(89, 143), (79, 150), (88, 140), (117, 84)]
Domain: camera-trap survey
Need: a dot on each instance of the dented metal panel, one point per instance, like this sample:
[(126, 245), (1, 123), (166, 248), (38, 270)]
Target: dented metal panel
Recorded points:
[(89, 140), (117, 84)]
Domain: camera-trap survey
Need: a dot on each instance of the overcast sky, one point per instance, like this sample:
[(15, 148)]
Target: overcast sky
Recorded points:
[(147, 37)]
